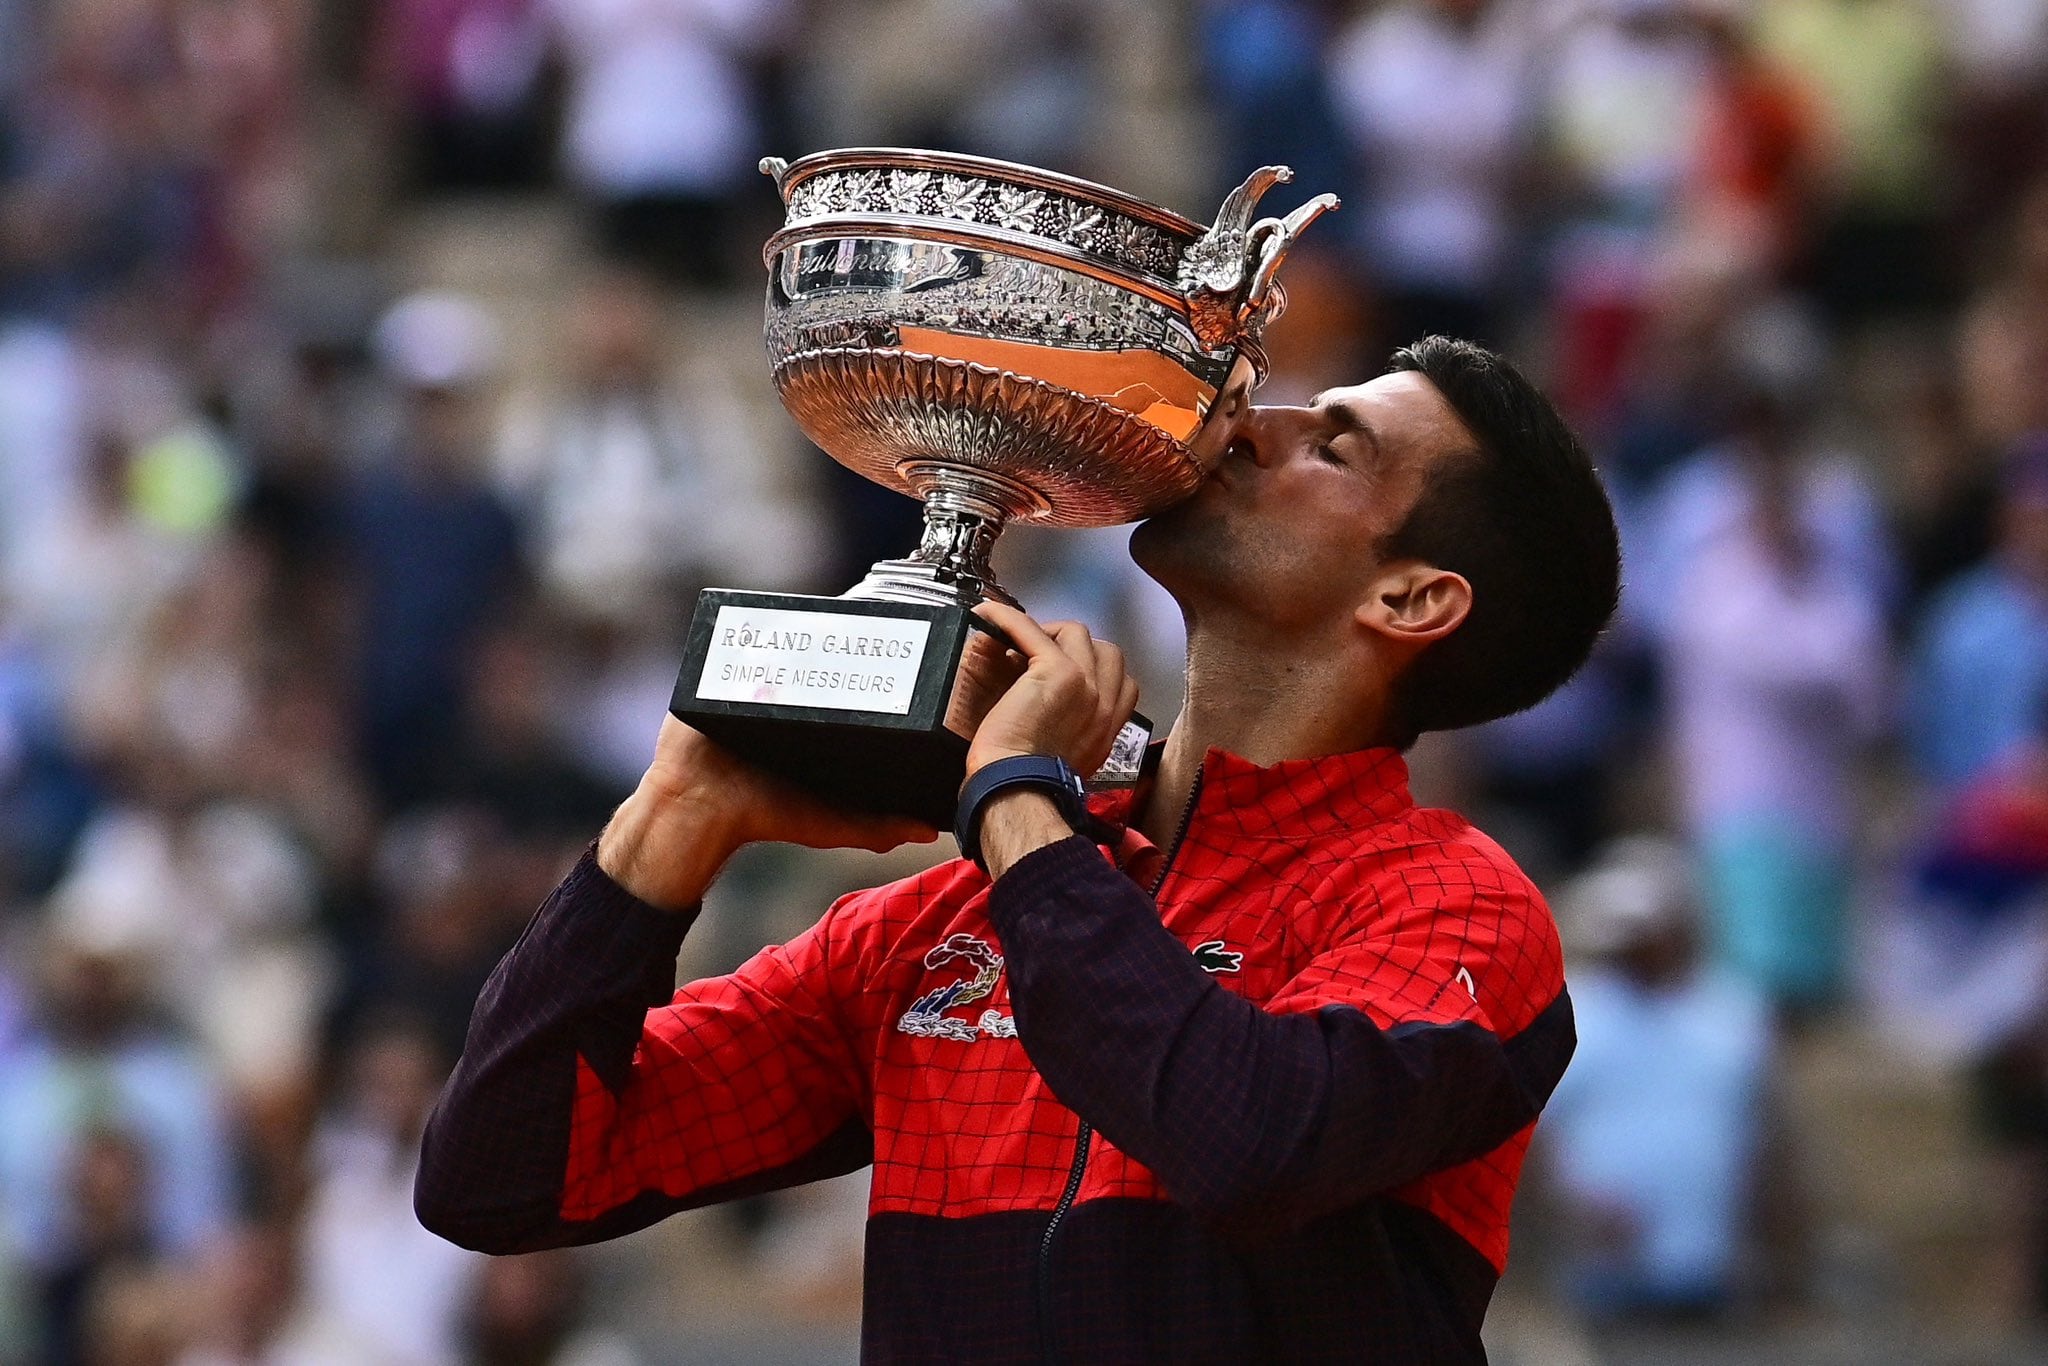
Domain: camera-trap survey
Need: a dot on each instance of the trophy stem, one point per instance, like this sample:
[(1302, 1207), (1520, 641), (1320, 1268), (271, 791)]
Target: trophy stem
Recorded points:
[(964, 511)]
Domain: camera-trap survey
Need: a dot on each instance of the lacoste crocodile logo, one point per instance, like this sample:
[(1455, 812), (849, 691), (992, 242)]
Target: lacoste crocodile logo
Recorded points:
[(1211, 956), (927, 1017)]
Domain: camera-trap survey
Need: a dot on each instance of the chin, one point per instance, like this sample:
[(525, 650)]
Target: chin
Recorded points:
[(1156, 540), (1181, 549)]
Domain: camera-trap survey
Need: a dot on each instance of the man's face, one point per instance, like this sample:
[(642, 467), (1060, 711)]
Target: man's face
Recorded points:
[(1289, 522)]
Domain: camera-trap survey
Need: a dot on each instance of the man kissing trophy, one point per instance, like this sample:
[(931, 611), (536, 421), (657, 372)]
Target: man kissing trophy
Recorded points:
[(1238, 1063)]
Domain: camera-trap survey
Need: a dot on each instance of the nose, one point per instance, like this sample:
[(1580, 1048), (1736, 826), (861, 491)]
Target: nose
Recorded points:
[(1267, 434)]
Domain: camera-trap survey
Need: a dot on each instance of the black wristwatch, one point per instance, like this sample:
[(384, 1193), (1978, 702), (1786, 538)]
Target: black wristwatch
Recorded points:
[(1046, 772)]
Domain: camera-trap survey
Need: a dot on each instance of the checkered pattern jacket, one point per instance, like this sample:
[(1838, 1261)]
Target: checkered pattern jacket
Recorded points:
[(1261, 1096)]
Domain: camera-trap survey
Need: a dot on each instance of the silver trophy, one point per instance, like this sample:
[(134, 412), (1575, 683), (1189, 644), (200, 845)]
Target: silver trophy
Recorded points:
[(1004, 344)]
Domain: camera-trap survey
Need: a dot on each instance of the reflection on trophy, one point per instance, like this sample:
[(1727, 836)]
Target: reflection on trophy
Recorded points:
[(1005, 344)]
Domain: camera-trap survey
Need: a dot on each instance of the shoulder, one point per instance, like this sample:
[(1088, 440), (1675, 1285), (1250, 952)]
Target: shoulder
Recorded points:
[(1441, 860), (1447, 881), (1420, 861)]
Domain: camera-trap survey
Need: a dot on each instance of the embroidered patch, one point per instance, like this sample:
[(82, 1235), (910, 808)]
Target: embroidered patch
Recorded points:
[(927, 1017), (1211, 956)]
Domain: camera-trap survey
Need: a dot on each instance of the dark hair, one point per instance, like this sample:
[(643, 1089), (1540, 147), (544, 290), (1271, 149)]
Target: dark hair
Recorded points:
[(1524, 519)]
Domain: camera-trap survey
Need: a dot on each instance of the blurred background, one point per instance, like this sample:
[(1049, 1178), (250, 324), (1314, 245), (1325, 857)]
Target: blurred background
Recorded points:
[(379, 379)]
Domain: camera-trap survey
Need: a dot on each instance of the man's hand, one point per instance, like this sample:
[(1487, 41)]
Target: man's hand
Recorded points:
[(697, 804), (1072, 699)]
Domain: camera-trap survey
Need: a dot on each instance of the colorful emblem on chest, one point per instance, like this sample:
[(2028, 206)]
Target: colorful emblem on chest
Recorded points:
[(981, 968), (927, 1017)]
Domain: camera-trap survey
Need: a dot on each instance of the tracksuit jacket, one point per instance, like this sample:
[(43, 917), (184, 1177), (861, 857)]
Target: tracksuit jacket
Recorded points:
[(1259, 1096)]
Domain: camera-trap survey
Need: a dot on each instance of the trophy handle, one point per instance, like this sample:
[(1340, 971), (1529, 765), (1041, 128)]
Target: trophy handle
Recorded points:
[(1226, 276), (777, 170), (1233, 220), (1270, 239)]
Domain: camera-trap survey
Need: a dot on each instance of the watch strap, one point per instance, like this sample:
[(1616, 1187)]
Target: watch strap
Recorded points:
[(1048, 773)]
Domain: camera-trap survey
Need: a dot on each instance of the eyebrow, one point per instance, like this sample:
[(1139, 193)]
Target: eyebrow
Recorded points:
[(1351, 415)]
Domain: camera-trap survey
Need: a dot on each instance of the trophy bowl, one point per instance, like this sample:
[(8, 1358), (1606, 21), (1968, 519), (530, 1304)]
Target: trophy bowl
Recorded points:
[(1012, 343), (1005, 344)]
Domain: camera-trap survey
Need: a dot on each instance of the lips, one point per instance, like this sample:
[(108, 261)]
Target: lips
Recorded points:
[(1224, 472)]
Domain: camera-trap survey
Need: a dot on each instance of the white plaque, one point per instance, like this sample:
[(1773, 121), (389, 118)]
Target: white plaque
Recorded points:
[(813, 659)]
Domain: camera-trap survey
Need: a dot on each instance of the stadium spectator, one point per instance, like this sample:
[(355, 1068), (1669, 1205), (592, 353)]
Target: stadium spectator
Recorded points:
[(1877, 69), (101, 1065), (434, 549), (466, 78), (1770, 571), (662, 174), (2002, 340), (1962, 967), (377, 1286), (616, 471), (1434, 96), (1658, 1123), (236, 583), (1980, 667), (528, 1311), (1621, 93), (245, 1303), (1262, 65)]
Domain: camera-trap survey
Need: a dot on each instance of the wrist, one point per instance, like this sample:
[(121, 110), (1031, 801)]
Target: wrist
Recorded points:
[(1059, 810), (666, 844), (1017, 823), (979, 759)]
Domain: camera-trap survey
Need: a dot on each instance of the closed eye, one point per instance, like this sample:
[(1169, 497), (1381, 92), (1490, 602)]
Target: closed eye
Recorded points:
[(1327, 451)]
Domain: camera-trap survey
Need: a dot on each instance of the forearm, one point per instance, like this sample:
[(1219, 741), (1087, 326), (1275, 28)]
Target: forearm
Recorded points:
[(588, 1083), (574, 991), (1115, 1014), (1249, 1118)]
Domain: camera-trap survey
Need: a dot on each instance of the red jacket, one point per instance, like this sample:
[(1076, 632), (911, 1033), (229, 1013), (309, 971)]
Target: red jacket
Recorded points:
[(1277, 1114)]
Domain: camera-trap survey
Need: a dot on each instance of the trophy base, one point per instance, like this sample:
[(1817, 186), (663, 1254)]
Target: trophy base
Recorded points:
[(866, 705)]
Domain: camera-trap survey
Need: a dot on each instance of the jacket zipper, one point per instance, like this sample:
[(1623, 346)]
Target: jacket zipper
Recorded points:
[(1086, 1134)]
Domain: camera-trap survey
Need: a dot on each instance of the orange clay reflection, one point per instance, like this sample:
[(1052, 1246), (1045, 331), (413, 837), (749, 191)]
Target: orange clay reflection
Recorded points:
[(1141, 382)]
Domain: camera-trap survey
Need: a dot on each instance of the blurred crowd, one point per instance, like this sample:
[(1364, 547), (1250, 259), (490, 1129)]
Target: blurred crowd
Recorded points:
[(339, 605)]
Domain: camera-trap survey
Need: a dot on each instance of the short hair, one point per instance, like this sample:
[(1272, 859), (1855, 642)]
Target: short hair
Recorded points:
[(1524, 518)]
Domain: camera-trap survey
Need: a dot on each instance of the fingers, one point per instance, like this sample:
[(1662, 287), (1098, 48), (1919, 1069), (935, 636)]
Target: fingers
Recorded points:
[(1112, 722), (1082, 696), (1027, 637), (805, 820), (1100, 661), (881, 836), (1076, 644), (1109, 670), (1046, 647), (1117, 695)]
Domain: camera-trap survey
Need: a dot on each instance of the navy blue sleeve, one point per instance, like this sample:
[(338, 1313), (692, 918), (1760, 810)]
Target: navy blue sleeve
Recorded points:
[(1256, 1120), (582, 989), (579, 983)]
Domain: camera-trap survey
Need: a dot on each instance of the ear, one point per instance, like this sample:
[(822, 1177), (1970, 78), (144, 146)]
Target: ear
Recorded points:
[(1413, 603)]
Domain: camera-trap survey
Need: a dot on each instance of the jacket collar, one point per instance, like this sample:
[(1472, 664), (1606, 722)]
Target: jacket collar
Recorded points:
[(1287, 800)]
